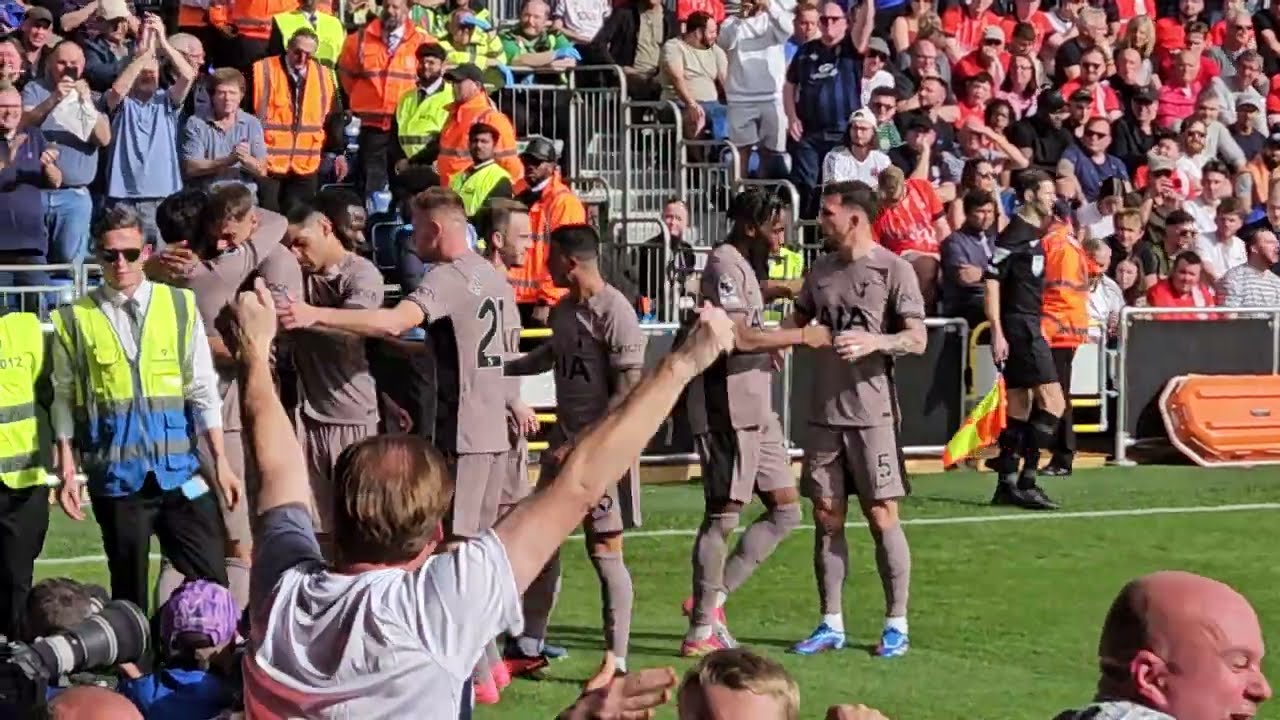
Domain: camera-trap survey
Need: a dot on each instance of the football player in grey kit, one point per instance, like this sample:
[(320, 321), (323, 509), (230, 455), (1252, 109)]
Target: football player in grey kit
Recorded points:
[(736, 432), (597, 352), (870, 299)]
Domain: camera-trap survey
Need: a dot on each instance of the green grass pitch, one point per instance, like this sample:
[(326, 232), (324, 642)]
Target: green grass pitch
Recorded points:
[(1004, 612)]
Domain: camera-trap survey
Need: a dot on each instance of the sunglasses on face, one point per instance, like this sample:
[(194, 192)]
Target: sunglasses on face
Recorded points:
[(129, 254), (830, 19)]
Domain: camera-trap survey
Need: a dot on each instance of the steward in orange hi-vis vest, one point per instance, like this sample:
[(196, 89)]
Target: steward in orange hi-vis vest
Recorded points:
[(1064, 318)]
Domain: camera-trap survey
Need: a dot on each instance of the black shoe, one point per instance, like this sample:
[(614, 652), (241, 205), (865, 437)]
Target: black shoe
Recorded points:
[(1034, 498), (1002, 464), (1055, 470), (1006, 493)]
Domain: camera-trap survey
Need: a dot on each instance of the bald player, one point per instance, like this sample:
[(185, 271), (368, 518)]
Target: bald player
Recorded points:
[(1178, 645), (473, 327), (338, 399), (736, 432), (597, 352), (869, 298)]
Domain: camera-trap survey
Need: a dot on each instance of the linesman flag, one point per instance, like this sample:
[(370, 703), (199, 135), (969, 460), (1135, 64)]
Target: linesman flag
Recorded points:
[(981, 429)]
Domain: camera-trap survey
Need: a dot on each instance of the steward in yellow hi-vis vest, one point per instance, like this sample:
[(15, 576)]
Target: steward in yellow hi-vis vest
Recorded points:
[(133, 390), (24, 460), (485, 178)]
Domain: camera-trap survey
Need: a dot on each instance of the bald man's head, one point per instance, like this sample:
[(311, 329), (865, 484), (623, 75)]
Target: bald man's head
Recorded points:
[(92, 703), (1185, 645)]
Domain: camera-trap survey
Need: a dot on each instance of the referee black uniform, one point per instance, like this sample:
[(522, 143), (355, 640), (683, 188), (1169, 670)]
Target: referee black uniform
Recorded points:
[(1018, 266)]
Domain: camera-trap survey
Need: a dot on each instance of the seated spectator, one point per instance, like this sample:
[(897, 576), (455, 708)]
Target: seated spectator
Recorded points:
[(11, 62), (989, 58), (142, 167), (580, 20), (964, 27), (663, 268), (694, 70), (738, 683), (875, 70), (107, 54), (1178, 236), (858, 158), (88, 702), (1129, 279), (1091, 31), (197, 663), (980, 174), (912, 223), (1253, 284), (1020, 86), (1178, 94), (1134, 135), (1215, 186), (1217, 143), (1128, 244), (1249, 84), (1159, 628), (1043, 137), (1222, 249), (632, 38), (33, 41), (1132, 75), (1261, 171), (921, 155), (1106, 299), (31, 167), (1103, 101), (228, 145), (63, 107), (1245, 129), (966, 253), (436, 610), (1184, 288), (1097, 219), (472, 40), (884, 103), (973, 99), (1086, 164)]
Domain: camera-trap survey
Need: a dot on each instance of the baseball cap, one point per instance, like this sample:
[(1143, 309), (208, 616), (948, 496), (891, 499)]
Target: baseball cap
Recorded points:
[(1249, 98), (198, 607), (1158, 163), (1050, 101), (540, 149), (993, 32), (113, 10), (466, 71), (39, 14), (863, 116), (1145, 94), (878, 45)]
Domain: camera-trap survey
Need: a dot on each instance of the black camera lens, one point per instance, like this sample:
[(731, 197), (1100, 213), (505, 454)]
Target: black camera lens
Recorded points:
[(117, 633)]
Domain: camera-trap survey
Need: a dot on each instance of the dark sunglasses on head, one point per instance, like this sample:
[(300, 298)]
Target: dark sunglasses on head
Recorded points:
[(129, 254)]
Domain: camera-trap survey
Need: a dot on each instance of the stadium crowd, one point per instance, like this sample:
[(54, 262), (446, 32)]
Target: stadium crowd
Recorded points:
[(219, 387)]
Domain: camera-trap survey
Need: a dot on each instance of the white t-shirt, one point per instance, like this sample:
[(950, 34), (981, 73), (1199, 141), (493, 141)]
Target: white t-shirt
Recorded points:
[(840, 165), (381, 644), (1099, 225), (1220, 257)]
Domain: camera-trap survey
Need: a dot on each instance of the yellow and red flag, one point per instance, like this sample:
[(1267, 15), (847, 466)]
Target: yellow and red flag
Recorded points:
[(981, 429)]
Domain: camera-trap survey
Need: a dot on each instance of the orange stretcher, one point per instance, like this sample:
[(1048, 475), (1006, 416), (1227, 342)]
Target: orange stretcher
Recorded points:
[(1221, 420)]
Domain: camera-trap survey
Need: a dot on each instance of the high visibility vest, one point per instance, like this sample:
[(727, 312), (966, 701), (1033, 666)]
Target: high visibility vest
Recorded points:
[(252, 18), (131, 414), (484, 50), (21, 362), (375, 79), (436, 20), (455, 138), (328, 29), (789, 265), (1064, 317), (475, 184), (419, 117), (294, 133), (555, 207)]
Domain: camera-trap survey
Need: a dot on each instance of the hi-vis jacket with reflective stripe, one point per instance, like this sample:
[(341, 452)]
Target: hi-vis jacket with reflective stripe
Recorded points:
[(552, 207), (131, 415), (292, 126), (475, 184), (22, 358), (455, 138), (1064, 317), (419, 117), (373, 78), (250, 18)]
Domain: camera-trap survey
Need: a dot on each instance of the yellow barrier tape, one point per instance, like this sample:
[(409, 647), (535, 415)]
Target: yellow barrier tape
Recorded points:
[(536, 333)]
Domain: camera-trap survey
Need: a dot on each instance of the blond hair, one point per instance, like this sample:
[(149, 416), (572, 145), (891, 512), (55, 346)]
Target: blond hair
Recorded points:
[(739, 669), (390, 494)]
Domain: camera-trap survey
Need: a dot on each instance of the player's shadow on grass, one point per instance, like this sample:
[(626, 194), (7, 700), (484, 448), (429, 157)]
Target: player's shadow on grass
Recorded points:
[(587, 638), (918, 499)]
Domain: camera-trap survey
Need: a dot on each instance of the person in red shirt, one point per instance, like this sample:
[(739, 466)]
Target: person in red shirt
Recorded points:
[(973, 105), (1179, 93), (990, 58), (1029, 12), (912, 223), (1103, 103), (964, 26), (1184, 288)]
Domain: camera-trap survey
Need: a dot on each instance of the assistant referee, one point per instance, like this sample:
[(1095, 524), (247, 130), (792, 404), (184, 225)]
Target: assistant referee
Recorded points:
[(1014, 290)]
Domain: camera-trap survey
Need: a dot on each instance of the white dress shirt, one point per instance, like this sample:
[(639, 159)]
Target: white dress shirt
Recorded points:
[(200, 383)]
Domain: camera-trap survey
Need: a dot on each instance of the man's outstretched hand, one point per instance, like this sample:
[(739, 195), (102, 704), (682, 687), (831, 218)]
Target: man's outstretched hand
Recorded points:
[(256, 319), (712, 336), (631, 697)]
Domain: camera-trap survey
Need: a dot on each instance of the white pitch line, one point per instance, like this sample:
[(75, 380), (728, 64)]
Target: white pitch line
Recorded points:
[(954, 520)]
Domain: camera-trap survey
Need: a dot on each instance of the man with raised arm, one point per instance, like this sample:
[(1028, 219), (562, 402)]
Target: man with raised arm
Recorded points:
[(435, 612)]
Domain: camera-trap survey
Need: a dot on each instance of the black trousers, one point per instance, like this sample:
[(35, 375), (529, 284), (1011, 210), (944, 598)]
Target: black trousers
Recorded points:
[(280, 193), (190, 533), (1064, 441), (24, 521), (375, 158)]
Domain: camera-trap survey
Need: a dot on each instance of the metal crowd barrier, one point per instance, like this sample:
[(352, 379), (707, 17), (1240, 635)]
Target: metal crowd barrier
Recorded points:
[(652, 158), (1154, 349)]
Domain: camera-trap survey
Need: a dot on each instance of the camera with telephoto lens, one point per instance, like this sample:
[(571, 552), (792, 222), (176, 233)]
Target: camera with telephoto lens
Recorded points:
[(117, 633)]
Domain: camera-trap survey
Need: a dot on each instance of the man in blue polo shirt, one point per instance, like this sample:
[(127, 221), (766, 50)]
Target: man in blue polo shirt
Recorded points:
[(823, 89), (69, 208)]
